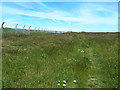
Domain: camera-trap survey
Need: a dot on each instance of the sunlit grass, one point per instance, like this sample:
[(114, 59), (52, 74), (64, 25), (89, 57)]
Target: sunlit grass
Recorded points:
[(41, 60)]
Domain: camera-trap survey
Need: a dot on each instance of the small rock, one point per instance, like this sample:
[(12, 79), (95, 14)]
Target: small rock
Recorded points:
[(58, 84), (64, 85), (93, 79), (74, 81), (64, 81)]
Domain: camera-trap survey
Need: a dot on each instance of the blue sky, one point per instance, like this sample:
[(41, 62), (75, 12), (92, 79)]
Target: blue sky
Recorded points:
[(62, 16)]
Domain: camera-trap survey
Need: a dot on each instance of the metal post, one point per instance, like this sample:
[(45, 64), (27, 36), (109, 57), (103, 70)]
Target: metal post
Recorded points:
[(38, 29), (34, 29), (2, 28), (29, 29), (24, 29), (16, 28)]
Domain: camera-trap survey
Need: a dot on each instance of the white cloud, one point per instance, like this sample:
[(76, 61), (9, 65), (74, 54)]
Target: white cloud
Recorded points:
[(69, 22), (60, 28), (86, 16), (60, 0), (86, 19), (24, 5), (42, 4)]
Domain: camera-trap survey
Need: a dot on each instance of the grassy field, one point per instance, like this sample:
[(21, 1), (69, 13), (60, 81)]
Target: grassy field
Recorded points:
[(40, 60)]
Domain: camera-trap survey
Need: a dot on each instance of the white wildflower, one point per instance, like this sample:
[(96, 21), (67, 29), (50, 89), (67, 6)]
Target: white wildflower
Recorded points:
[(78, 50), (82, 51), (25, 49)]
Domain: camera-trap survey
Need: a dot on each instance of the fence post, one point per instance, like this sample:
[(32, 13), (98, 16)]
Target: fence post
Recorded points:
[(16, 28), (44, 29), (34, 29), (38, 29), (24, 29), (29, 29), (2, 28)]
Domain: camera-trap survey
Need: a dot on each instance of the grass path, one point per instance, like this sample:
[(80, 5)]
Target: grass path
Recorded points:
[(94, 69)]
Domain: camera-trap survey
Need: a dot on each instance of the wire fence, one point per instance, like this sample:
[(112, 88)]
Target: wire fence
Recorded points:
[(25, 31)]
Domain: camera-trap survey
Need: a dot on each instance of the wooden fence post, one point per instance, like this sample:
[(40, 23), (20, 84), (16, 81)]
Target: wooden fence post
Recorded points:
[(16, 28), (2, 28)]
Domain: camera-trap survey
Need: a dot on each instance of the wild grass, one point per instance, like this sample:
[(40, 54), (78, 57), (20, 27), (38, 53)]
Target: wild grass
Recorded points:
[(40, 60)]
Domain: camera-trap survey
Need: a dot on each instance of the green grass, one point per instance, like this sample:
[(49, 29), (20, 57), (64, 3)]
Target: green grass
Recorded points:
[(41, 60)]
